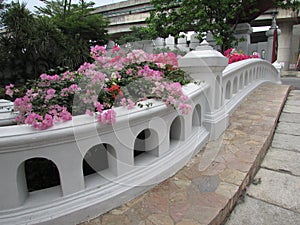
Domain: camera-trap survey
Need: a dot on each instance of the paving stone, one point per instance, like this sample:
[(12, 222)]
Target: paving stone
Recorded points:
[(188, 222), (182, 183), (291, 109), (207, 184), (248, 156), (227, 190), (225, 157), (160, 219), (294, 93), (277, 188), (214, 169), (109, 219), (202, 214), (179, 196), (282, 160), (210, 153), (285, 141), (119, 210), (293, 102), (232, 176), (92, 222), (288, 128), (178, 210), (239, 165), (208, 199), (156, 202), (290, 117), (295, 97), (256, 212)]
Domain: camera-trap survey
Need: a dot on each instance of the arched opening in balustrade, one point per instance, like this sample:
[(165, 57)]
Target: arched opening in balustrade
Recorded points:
[(253, 74), (228, 90), (37, 174), (218, 91), (197, 117), (250, 76), (257, 73), (176, 130), (146, 146), (261, 72), (241, 83), (176, 133), (235, 85), (99, 158), (246, 78)]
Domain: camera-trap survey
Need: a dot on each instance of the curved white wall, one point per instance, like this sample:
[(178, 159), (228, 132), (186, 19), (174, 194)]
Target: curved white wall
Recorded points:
[(170, 141)]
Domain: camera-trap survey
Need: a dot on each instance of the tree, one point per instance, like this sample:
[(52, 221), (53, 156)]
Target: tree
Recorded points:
[(81, 28), (33, 44), (288, 4), (30, 45), (16, 44), (220, 17)]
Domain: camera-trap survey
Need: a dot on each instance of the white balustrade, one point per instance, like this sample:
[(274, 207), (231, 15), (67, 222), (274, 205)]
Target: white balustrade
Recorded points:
[(144, 147), (242, 77)]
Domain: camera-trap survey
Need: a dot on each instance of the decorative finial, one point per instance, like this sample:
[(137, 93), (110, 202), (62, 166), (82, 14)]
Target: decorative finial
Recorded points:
[(204, 45), (274, 24)]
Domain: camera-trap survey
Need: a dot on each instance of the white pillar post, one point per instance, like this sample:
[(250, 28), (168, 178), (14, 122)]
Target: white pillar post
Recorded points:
[(285, 44), (207, 64), (270, 35), (242, 33)]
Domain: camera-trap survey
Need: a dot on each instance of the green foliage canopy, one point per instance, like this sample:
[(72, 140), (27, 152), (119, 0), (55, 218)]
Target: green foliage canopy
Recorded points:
[(59, 34), (220, 17)]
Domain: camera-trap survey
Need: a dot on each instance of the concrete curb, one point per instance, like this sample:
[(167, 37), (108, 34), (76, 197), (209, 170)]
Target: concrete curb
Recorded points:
[(254, 169)]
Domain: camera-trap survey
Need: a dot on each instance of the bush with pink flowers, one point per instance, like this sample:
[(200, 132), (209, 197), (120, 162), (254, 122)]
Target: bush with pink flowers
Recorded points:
[(115, 78), (235, 56)]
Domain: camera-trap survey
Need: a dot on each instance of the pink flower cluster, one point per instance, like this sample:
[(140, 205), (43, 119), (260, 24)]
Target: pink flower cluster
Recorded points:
[(9, 91), (171, 94), (55, 114), (235, 56), (108, 117), (149, 73), (50, 100), (165, 58), (39, 122), (137, 56), (102, 60), (98, 50), (127, 103), (41, 106)]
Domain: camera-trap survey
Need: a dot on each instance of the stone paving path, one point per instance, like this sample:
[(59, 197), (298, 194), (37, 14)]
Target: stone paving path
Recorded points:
[(207, 188), (275, 198)]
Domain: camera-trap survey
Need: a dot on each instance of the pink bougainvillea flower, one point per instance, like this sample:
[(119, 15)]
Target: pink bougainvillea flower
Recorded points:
[(108, 117), (101, 86), (50, 94), (115, 49), (8, 90), (235, 56)]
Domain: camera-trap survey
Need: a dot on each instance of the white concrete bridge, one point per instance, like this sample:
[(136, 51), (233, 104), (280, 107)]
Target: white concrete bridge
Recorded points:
[(119, 173)]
